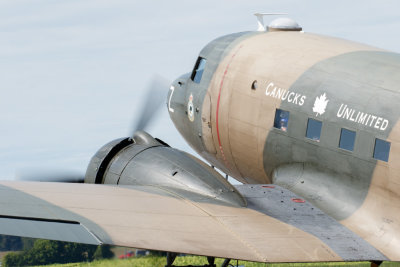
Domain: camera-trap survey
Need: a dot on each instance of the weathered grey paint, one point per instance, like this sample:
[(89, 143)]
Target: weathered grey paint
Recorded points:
[(362, 80)]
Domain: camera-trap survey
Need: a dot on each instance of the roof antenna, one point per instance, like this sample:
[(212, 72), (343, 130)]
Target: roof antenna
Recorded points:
[(260, 20)]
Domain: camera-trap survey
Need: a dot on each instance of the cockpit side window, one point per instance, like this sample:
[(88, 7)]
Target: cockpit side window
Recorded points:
[(281, 119), (198, 69)]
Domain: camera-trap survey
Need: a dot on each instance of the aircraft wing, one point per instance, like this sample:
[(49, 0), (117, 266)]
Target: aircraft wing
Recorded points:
[(276, 226)]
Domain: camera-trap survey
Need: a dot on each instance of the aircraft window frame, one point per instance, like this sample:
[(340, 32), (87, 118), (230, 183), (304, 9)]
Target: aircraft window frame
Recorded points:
[(345, 134), (281, 119), (314, 129), (382, 145), (198, 69)]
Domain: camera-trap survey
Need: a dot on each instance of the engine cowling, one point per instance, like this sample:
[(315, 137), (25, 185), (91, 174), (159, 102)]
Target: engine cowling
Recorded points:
[(144, 160)]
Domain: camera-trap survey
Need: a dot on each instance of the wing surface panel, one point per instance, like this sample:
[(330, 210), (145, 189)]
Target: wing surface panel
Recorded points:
[(284, 205), (154, 218)]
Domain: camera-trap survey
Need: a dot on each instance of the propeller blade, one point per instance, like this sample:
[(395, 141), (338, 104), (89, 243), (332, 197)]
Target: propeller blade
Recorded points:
[(50, 176), (156, 93)]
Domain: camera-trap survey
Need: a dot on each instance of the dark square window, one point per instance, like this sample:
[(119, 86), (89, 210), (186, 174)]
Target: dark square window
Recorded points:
[(198, 69), (314, 129), (281, 119), (347, 139), (381, 150)]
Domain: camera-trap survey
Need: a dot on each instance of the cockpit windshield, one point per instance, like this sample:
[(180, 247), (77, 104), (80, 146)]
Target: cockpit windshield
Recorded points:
[(198, 70)]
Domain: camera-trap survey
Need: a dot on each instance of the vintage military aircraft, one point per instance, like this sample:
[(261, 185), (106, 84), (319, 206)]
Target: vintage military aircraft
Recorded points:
[(308, 123)]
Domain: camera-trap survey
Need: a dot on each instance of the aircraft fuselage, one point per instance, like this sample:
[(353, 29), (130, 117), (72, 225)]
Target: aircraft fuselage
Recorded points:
[(315, 114)]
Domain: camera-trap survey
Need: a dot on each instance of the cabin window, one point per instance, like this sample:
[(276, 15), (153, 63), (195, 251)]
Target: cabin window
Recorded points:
[(281, 119), (314, 129), (381, 150), (198, 69), (347, 139)]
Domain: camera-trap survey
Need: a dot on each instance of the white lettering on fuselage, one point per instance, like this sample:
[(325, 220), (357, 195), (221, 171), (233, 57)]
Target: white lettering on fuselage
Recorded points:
[(363, 118), (284, 94)]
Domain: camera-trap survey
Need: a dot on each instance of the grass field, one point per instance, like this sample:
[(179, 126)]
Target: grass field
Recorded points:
[(150, 261)]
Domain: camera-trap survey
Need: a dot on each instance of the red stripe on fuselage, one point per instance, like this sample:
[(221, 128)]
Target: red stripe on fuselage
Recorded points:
[(219, 98)]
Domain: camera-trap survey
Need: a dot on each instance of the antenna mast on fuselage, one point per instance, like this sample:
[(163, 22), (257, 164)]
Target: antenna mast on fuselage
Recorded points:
[(260, 19)]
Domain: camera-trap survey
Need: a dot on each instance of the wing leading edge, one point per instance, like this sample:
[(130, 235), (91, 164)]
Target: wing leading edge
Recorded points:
[(273, 228)]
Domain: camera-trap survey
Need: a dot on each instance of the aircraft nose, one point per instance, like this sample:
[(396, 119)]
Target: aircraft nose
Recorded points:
[(177, 104)]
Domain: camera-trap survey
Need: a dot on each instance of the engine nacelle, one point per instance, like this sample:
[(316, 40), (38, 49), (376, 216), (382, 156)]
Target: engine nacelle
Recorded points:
[(144, 160)]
